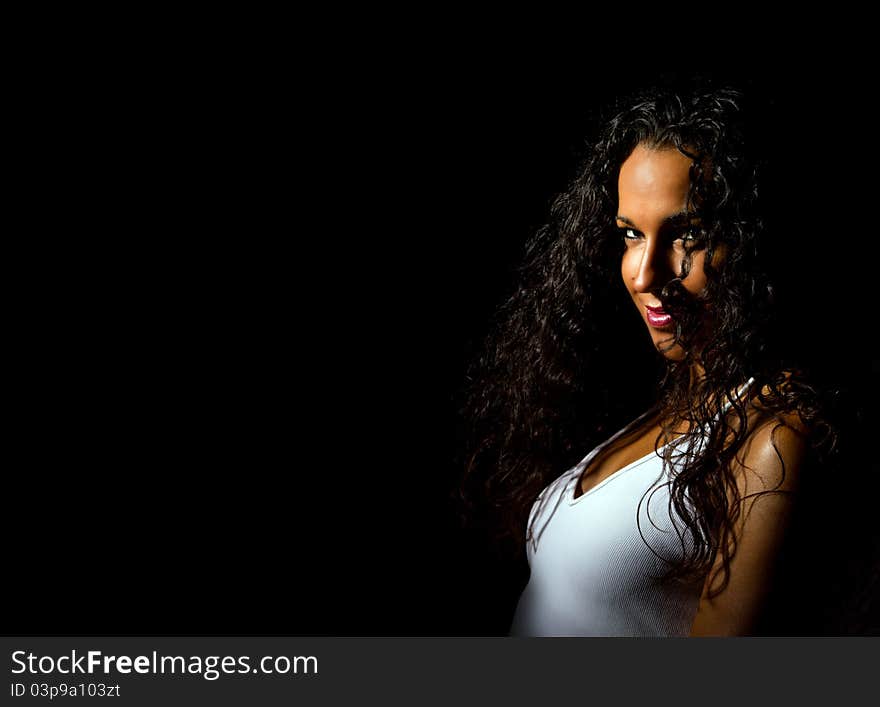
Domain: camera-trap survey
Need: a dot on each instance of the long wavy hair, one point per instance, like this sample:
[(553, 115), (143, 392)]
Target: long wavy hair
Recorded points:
[(542, 389)]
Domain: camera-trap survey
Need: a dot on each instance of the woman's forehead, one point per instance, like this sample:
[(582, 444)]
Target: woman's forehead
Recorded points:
[(654, 181)]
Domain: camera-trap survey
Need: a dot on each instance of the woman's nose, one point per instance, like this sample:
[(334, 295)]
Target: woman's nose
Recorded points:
[(656, 267)]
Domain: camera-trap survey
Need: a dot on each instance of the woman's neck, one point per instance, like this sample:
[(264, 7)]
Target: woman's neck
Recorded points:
[(697, 378)]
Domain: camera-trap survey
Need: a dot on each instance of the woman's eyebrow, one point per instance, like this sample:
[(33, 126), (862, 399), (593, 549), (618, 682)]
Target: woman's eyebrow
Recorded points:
[(683, 216)]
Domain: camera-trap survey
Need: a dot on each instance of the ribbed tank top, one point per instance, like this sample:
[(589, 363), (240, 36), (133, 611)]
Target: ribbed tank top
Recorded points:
[(591, 569)]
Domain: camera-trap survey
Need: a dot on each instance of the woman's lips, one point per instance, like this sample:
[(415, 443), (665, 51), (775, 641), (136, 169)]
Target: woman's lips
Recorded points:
[(657, 318)]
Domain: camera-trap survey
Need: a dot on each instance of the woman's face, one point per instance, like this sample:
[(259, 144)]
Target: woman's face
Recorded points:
[(654, 224)]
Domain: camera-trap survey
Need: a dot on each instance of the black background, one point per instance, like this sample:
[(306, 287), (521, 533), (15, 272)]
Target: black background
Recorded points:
[(253, 273)]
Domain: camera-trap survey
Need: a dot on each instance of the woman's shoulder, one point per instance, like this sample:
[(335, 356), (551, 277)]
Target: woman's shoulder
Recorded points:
[(777, 438)]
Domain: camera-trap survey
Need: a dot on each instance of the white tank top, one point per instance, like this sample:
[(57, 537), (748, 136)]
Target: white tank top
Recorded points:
[(591, 570)]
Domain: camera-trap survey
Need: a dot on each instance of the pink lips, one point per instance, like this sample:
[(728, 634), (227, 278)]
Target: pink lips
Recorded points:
[(657, 318)]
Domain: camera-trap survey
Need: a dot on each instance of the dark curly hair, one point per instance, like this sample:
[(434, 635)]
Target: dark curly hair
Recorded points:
[(542, 390)]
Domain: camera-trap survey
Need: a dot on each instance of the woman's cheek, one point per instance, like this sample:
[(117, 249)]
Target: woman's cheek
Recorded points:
[(626, 266), (696, 277)]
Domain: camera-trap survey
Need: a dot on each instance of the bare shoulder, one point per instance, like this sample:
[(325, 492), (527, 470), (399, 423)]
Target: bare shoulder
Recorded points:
[(773, 452)]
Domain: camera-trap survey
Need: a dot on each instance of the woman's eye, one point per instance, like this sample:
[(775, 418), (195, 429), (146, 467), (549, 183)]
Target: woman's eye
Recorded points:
[(629, 234), (687, 237)]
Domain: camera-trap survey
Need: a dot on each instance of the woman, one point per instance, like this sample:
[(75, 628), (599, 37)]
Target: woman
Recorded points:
[(671, 526)]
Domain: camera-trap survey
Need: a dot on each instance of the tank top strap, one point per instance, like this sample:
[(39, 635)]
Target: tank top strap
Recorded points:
[(738, 396)]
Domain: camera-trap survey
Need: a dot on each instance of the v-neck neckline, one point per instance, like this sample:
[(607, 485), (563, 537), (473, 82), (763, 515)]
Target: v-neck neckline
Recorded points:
[(585, 463), (580, 468)]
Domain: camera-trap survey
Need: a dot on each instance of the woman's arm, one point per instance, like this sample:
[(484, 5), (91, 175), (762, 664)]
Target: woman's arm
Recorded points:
[(760, 529)]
